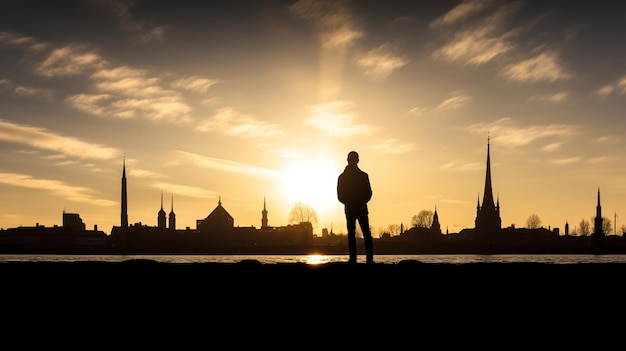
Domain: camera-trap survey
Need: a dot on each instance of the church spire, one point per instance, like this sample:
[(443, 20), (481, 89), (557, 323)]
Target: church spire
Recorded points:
[(264, 215), (124, 204), (488, 193), (488, 219)]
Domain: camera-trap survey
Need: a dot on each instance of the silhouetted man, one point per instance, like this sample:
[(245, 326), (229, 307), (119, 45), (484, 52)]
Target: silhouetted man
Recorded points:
[(354, 191)]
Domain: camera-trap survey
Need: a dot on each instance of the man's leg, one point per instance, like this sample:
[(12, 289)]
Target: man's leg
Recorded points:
[(367, 239), (351, 238)]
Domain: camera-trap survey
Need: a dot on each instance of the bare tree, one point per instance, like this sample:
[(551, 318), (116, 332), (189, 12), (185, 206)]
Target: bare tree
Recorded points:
[(424, 219), (533, 222), (623, 229), (301, 213), (607, 225), (584, 228), (393, 229)]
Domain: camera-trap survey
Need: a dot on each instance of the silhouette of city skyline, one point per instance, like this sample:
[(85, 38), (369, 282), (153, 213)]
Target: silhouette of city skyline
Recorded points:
[(217, 233)]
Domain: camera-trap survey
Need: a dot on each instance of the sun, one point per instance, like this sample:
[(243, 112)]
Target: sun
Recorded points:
[(313, 182)]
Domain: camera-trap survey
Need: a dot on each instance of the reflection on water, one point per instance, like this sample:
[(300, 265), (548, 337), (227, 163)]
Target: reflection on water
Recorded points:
[(321, 259)]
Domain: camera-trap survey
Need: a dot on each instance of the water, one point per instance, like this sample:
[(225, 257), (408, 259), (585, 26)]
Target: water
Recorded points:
[(321, 259)]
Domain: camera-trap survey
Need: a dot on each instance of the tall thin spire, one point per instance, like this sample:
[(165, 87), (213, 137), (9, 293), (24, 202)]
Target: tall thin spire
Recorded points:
[(598, 229), (264, 215), (124, 203), (488, 219), (488, 193), (172, 217)]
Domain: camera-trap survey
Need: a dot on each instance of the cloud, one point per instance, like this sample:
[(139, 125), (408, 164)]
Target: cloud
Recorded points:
[(543, 67), (142, 173), (473, 166), (464, 10), (228, 166), (38, 93), (147, 32), (42, 139), (21, 40), (195, 84), (185, 190), (69, 60), (165, 108), (618, 86), (72, 193), (380, 62), (230, 122), (335, 118), (417, 111), (607, 139), (503, 132), (556, 98), (458, 100), (393, 146), (552, 147), (565, 161), (602, 159), (480, 41), (338, 27)]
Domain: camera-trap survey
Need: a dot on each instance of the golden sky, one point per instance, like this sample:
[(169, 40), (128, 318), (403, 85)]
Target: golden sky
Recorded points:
[(254, 100)]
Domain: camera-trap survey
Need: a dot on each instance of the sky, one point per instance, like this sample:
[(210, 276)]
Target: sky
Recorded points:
[(247, 102)]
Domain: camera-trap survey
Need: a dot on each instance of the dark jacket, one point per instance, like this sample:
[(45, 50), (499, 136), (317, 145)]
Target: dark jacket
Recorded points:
[(354, 190)]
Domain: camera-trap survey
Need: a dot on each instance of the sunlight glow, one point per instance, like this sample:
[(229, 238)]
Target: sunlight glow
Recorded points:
[(316, 259), (313, 183)]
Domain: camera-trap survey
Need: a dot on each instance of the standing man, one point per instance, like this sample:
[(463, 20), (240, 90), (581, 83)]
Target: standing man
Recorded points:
[(354, 191)]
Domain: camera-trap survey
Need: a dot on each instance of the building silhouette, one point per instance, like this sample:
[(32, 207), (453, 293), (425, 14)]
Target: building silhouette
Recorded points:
[(488, 222)]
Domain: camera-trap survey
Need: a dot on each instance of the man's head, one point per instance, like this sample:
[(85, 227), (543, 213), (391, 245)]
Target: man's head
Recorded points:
[(353, 158)]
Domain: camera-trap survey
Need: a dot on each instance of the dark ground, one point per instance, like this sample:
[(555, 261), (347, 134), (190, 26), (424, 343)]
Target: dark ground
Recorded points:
[(248, 303)]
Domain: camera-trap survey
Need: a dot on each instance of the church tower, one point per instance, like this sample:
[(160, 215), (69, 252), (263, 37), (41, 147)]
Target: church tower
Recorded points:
[(435, 228), (172, 218), (124, 217), (161, 215), (488, 221), (264, 216), (598, 222)]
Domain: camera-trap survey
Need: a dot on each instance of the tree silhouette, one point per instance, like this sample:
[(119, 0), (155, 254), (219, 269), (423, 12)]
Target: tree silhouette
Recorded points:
[(607, 225), (584, 228), (301, 213), (393, 229), (533, 222), (424, 219)]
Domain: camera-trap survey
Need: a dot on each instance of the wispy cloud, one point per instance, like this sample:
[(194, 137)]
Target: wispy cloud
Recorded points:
[(58, 188), (556, 98), (473, 166), (195, 84), (505, 133), (566, 161), (479, 41), (617, 86), (43, 139), (603, 159), (146, 31), (552, 147), (228, 121), (608, 139), (184, 190), (335, 118), (465, 9), (381, 62), (457, 100), (142, 173), (69, 60), (22, 41), (393, 146), (228, 166), (542, 67), (338, 27)]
